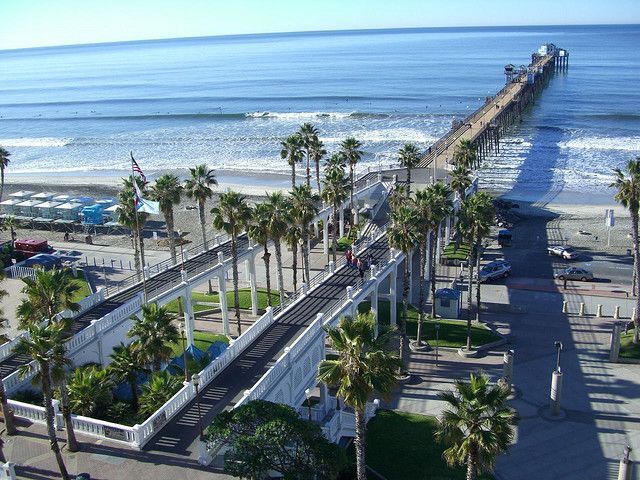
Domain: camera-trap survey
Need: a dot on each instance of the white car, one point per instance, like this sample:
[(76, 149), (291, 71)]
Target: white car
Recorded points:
[(494, 270), (567, 253)]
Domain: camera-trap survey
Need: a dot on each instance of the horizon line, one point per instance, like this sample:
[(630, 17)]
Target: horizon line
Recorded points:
[(311, 32)]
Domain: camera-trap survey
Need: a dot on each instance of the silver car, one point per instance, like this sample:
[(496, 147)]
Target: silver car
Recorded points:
[(574, 273), (494, 270), (567, 253)]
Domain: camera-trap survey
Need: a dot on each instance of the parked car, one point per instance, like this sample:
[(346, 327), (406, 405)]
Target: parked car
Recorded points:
[(574, 273), (494, 270), (567, 253)]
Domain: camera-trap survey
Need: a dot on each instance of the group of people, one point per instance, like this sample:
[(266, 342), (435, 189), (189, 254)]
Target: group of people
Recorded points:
[(362, 264)]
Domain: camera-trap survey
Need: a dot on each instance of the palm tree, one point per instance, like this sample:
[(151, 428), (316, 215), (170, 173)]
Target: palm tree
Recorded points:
[(260, 233), (403, 235), (335, 193), (292, 153), (398, 196), (167, 191), (628, 194), (278, 220), (350, 148), (126, 366), (232, 215), (9, 222), (465, 154), (39, 345), (478, 425), (474, 223), (48, 293), (460, 180), (409, 157), (132, 219), (362, 368), (304, 207), (160, 388), (317, 152), (308, 136), (7, 413), (292, 237), (4, 163), (90, 390), (153, 334), (198, 187)]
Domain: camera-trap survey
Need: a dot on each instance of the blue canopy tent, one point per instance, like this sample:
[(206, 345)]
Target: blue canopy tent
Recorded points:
[(92, 215)]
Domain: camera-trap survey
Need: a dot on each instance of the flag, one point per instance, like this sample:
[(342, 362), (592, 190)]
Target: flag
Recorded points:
[(142, 205), (136, 168)]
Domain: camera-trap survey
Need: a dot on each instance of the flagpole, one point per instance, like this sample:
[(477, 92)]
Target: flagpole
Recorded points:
[(141, 238)]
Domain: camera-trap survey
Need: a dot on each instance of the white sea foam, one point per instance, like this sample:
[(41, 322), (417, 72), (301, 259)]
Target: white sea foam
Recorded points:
[(298, 115), (404, 135), (35, 142), (629, 144)]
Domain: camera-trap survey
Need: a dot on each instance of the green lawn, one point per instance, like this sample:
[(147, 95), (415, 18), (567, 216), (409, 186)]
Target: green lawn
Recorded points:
[(628, 349), (84, 290), (401, 446), (453, 333), (202, 340), (461, 253), (243, 293)]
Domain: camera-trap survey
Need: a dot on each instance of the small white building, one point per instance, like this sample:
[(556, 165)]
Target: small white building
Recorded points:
[(47, 210), (111, 214), (69, 211), (22, 195), (8, 207), (43, 196), (448, 303), (27, 208)]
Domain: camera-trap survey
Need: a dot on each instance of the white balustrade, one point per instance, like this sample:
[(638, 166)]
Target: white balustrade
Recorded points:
[(34, 413), (100, 428)]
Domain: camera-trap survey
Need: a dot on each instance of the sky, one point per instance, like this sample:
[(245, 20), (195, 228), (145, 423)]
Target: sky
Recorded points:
[(35, 23)]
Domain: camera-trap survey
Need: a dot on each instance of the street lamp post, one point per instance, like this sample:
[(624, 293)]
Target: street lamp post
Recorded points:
[(307, 393), (182, 327), (196, 383), (437, 340), (558, 345), (556, 383)]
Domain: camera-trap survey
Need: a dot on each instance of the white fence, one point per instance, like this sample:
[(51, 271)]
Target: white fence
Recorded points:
[(17, 271)]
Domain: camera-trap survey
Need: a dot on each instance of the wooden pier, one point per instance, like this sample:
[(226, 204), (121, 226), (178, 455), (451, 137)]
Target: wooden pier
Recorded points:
[(487, 124)]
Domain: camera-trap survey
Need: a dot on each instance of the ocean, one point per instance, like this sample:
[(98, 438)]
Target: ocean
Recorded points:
[(228, 101)]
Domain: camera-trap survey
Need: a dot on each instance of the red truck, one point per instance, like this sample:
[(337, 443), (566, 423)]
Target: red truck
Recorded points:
[(29, 247)]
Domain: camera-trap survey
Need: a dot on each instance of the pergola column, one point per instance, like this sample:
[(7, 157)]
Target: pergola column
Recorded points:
[(393, 291), (189, 320), (341, 211), (325, 236), (222, 292)]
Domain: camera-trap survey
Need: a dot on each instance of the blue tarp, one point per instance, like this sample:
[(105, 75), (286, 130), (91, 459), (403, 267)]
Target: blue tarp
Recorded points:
[(92, 215), (123, 390)]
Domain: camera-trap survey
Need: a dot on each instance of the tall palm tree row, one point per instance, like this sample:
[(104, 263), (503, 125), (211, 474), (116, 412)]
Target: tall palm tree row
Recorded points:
[(167, 191), (4, 163), (474, 223), (232, 215), (477, 424), (153, 333), (292, 237), (291, 151), (259, 230), (132, 219), (362, 368), (403, 234), (409, 157), (198, 188), (277, 214), (465, 155), (627, 184), (335, 193), (304, 206), (460, 180), (308, 136), (39, 344), (350, 149)]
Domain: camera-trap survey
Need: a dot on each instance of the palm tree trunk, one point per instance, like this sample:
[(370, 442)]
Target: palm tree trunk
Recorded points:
[(432, 253), (294, 265), (361, 466), (403, 319), (408, 182), (136, 257), (7, 413), (51, 429), (3, 459), (318, 177), (236, 297), (478, 255), (470, 302), (308, 170), (334, 242), (133, 384), (472, 468), (266, 257), (352, 187), (305, 253), (72, 442), (168, 218), (278, 248), (293, 175), (423, 259), (1, 182), (636, 254)]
